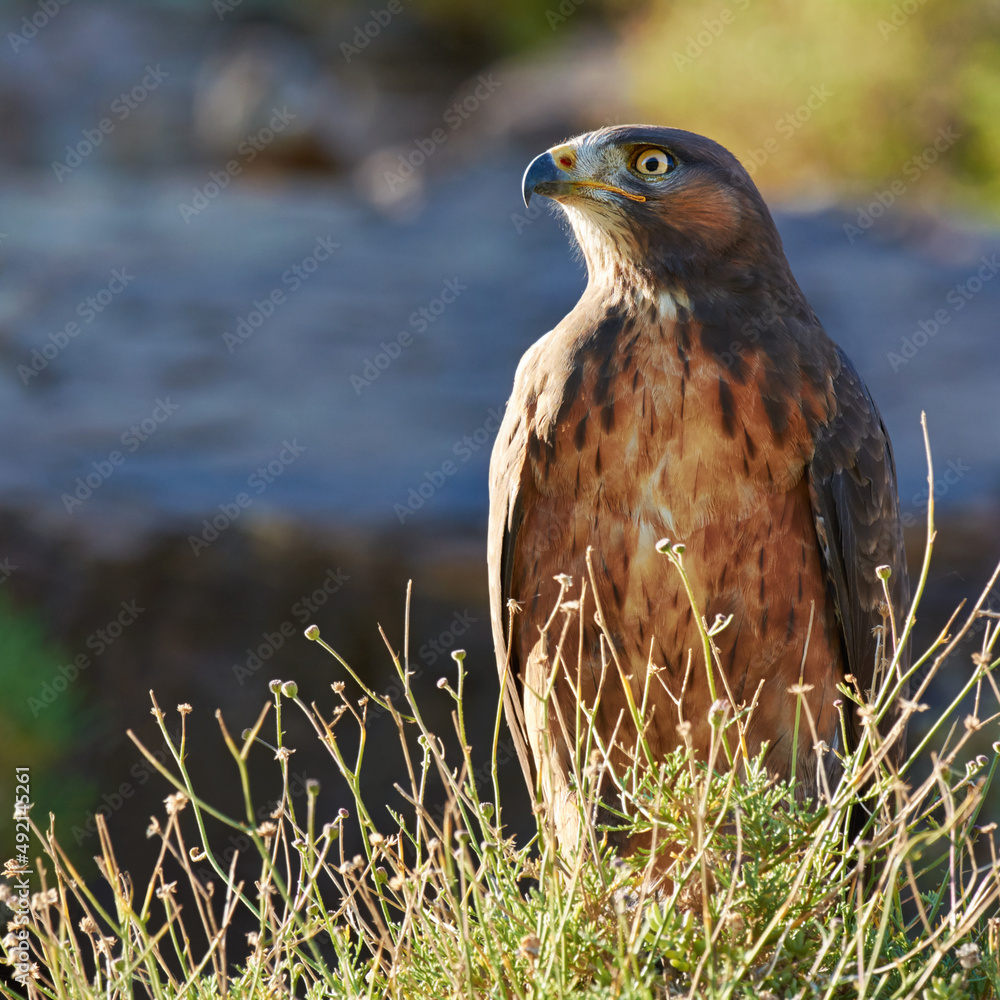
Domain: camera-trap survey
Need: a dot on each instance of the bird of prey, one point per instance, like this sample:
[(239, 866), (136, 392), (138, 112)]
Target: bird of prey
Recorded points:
[(691, 394)]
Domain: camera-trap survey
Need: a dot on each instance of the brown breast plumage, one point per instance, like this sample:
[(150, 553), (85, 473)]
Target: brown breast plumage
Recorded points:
[(628, 424)]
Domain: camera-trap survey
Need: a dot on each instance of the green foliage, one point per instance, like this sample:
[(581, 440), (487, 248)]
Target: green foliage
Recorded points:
[(884, 80), (35, 734)]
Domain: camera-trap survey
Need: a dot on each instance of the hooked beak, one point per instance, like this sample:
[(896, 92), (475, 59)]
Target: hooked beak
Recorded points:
[(546, 177), (543, 177)]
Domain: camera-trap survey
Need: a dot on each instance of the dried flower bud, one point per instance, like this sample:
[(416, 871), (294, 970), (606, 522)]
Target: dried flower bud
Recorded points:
[(969, 955), (175, 803), (530, 947)]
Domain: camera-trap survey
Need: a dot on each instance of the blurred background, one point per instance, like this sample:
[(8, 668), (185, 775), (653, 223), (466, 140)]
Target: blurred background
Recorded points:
[(266, 278)]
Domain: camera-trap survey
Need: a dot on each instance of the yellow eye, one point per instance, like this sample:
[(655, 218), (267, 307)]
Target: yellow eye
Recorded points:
[(654, 163)]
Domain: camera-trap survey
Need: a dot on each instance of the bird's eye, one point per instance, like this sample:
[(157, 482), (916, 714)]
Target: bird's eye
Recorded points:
[(654, 163)]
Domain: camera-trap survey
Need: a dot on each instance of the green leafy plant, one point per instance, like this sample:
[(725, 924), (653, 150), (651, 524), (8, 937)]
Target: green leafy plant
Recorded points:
[(37, 733)]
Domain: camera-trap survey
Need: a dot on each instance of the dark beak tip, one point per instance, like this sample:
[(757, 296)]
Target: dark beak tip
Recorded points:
[(542, 169)]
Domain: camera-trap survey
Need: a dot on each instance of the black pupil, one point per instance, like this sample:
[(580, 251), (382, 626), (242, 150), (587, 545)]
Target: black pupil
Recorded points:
[(652, 163)]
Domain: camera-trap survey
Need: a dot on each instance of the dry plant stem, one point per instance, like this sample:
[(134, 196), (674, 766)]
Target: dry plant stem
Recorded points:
[(800, 693), (928, 547), (625, 679), (185, 785)]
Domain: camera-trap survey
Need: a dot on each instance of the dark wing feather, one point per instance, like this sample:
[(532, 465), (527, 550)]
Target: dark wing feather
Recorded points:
[(852, 481)]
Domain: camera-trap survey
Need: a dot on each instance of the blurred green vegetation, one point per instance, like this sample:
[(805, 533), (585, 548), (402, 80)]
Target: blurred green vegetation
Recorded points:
[(886, 81), (839, 97), (41, 738)]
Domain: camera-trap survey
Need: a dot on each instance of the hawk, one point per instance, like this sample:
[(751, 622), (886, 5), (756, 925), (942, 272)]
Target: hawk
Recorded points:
[(691, 394)]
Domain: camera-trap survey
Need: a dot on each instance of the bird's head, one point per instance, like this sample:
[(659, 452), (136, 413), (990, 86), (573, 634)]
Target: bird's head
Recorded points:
[(655, 206)]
